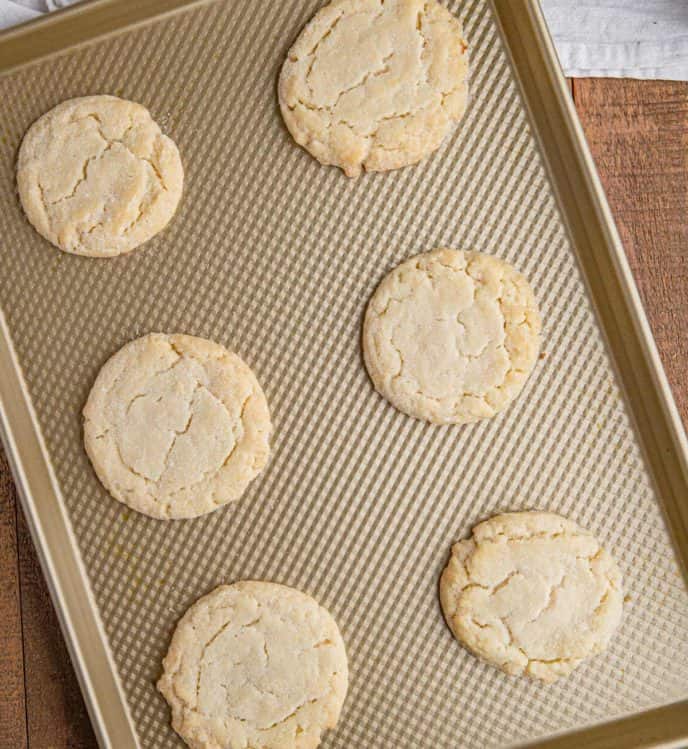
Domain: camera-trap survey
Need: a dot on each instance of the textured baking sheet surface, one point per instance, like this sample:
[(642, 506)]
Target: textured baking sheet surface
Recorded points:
[(276, 257)]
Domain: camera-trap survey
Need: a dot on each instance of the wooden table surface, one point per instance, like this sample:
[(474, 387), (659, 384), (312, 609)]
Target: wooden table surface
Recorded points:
[(638, 133)]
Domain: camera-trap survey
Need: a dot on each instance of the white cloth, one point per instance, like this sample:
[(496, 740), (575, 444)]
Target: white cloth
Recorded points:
[(616, 38), (13, 12), (620, 38)]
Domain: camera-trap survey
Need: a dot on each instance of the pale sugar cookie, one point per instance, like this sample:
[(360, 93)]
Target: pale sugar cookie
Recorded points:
[(375, 86), (450, 337), (532, 593), (255, 665), (97, 177), (176, 426)]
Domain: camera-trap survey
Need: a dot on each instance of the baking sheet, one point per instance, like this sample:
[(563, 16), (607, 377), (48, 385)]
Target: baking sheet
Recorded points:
[(275, 257)]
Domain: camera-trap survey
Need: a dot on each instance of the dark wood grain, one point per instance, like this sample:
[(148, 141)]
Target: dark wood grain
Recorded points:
[(12, 702), (56, 716), (638, 134)]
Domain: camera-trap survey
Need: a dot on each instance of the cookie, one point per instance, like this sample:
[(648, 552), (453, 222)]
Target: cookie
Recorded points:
[(532, 593), (176, 426), (450, 337), (255, 665), (97, 177), (375, 86)]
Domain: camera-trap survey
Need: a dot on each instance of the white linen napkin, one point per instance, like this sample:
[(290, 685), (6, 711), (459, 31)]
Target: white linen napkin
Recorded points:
[(13, 12), (620, 38), (607, 38)]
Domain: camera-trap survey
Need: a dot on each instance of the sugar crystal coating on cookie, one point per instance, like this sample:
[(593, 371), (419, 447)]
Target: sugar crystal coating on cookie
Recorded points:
[(373, 85), (451, 337), (532, 593), (176, 426), (255, 665), (97, 177)]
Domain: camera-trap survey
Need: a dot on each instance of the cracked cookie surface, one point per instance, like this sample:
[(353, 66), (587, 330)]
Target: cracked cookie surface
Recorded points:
[(532, 593), (255, 665), (97, 177), (451, 337), (176, 426), (375, 85)]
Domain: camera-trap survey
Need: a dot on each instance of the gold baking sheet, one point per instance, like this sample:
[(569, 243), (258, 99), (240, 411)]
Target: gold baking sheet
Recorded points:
[(276, 257)]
